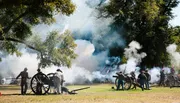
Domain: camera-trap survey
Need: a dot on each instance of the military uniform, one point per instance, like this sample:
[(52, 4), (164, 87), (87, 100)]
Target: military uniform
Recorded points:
[(24, 77), (58, 81), (142, 79), (134, 81), (39, 83), (162, 78), (148, 78), (121, 79)]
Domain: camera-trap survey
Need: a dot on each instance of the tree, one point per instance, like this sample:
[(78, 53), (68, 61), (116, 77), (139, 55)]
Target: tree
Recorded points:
[(57, 49), (18, 16), (174, 35), (146, 21)]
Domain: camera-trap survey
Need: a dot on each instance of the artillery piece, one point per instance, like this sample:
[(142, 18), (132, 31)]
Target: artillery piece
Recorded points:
[(41, 84), (127, 83), (172, 80)]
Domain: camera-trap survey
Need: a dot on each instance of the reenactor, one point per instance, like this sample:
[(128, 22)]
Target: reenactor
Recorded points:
[(142, 79), (39, 82), (162, 78), (172, 70), (133, 78), (148, 76), (121, 79), (24, 77), (58, 81)]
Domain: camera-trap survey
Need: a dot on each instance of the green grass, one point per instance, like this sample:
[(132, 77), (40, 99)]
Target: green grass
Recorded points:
[(95, 94)]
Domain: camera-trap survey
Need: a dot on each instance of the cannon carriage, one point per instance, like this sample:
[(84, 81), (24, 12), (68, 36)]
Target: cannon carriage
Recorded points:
[(172, 80), (41, 84), (127, 84)]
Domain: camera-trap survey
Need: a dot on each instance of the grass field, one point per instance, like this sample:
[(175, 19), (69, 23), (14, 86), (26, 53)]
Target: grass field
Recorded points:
[(101, 93)]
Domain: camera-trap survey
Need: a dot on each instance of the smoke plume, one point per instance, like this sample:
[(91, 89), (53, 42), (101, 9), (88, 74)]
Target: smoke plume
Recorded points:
[(174, 55), (134, 58)]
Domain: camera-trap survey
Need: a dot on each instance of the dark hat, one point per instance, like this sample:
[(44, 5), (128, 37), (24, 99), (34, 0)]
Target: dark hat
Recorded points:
[(59, 70), (38, 70), (25, 68)]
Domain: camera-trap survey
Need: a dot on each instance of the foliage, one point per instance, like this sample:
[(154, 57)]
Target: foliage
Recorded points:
[(56, 49), (147, 22), (175, 36), (19, 16)]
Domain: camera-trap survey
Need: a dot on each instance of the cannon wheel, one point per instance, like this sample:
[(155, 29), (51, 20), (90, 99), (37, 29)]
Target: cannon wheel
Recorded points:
[(127, 84), (42, 80)]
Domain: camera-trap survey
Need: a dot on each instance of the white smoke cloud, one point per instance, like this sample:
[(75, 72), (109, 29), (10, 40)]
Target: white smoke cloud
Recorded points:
[(174, 55), (84, 23), (83, 67), (155, 74), (134, 58), (13, 65)]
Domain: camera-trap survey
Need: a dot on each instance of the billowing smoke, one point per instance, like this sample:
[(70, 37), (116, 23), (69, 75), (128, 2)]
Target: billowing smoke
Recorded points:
[(155, 74), (174, 55), (86, 26), (83, 68), (134, 58)]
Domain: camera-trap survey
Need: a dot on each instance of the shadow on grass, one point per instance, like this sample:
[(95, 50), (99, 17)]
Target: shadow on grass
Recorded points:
[(9, 87), (31, 94)]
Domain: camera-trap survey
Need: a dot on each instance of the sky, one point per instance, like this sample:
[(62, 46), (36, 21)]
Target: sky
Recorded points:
[(176, 20)]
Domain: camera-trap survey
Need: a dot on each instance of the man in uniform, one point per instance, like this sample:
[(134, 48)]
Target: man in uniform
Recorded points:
[(133, 78), (142, 79), (39, 83), (58, 81), (121, 79), (24, 77), (162, 78), (148, 76)]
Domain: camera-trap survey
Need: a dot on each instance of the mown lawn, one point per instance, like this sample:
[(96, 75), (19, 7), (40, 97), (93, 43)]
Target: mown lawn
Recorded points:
[(101, 93)]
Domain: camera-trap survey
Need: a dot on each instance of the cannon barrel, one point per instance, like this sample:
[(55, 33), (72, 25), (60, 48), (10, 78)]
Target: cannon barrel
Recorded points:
[(80, 89), (115, 76), (15, 78)]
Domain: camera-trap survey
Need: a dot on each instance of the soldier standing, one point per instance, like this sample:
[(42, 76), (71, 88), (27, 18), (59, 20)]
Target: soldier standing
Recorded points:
[(162, 78), (121, 79), (24, 77), (58, 81), (133, 78), (142, 79), (39, 82), (148, 76)]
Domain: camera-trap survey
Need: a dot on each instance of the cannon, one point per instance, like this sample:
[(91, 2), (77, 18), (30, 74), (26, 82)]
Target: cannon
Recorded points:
[(41, 83), (127, 83), (172, 80)]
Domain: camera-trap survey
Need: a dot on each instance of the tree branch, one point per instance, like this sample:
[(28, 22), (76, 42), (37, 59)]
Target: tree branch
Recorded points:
[(19, 41), (5, 30)]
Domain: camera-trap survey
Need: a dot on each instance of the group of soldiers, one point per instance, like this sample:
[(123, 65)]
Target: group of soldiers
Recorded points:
[(163, 76), (58, 81), (142, 81)]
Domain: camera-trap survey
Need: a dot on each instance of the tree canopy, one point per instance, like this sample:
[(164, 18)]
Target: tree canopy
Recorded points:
[(146, 21), (57, 49), (17, 17)]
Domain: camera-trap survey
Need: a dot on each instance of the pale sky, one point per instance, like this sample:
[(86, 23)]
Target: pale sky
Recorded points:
[(176, 20)]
